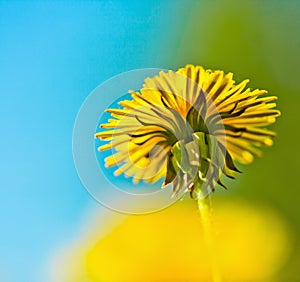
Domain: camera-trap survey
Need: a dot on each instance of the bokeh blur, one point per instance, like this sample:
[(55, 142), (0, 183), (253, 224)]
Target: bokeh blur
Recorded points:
[(169, 246), (53, 54)]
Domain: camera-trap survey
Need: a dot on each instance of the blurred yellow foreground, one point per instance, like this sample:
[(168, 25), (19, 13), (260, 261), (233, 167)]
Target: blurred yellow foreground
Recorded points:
[(251, 241)]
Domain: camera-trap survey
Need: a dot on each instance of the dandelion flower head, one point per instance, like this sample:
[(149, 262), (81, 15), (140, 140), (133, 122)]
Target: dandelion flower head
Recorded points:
[(190, 127)]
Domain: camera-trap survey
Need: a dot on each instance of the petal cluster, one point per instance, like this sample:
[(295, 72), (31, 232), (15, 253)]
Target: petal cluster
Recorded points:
[(188, 126)]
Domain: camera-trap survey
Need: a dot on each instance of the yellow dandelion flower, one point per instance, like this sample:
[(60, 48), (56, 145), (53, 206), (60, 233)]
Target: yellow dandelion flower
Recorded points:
[(189, 127)]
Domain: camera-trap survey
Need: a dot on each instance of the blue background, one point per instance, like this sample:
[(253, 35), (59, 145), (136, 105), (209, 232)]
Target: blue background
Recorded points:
[(52, 55)]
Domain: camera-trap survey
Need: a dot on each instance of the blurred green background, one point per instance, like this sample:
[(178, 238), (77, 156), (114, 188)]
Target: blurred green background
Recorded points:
[(259, 40)]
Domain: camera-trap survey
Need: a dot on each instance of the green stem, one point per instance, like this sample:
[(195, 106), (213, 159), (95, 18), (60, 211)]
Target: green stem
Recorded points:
[(204, 205)]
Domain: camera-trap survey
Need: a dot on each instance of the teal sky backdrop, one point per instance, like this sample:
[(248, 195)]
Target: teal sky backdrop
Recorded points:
[(53, 54)]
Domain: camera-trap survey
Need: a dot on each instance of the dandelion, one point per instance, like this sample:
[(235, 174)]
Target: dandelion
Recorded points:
[(189, 127)]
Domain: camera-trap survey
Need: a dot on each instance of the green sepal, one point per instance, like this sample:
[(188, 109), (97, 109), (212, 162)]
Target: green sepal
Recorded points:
[(171, 173)]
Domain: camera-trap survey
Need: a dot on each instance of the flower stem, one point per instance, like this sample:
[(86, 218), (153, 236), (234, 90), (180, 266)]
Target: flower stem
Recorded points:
[(204, 205)]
